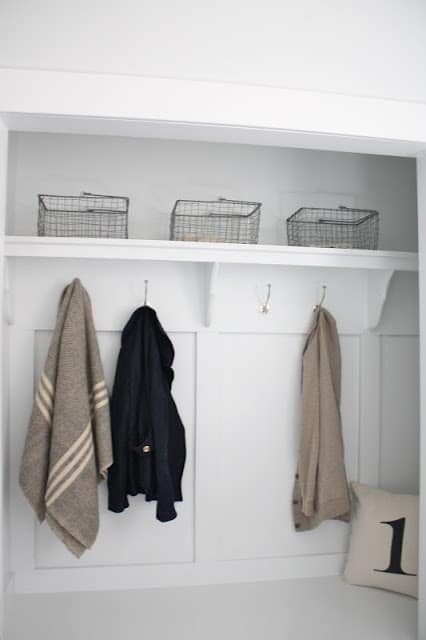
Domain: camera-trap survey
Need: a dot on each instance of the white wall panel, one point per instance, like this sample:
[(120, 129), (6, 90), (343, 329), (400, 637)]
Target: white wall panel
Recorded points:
[(115, 289), (361, 47), (238, 389), (257, 450), (155, 173), (399, 460), (294, 292)]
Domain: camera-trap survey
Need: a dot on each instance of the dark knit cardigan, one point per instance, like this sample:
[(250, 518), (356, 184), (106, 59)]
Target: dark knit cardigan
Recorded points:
[(147, 433)]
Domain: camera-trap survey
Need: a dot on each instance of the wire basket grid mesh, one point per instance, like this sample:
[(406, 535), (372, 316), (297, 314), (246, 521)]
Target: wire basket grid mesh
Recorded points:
[(85, 216), (219, 220), (342, 228)]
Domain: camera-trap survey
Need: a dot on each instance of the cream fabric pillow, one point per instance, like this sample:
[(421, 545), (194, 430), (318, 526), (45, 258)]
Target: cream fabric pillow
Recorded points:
[(383, 549)]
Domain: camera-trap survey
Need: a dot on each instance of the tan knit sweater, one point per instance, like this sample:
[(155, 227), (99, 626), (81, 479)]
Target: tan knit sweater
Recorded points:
[(321, 488), (68, 445)]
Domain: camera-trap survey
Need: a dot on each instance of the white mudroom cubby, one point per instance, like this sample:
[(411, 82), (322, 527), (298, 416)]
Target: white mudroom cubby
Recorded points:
[(237, 382)]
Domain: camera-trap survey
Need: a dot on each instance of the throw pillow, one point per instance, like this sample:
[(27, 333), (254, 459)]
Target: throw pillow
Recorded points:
[(383, 549)]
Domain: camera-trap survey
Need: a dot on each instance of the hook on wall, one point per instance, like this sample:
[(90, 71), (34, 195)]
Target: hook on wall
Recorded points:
[(146, 293), (264, 307), (324, 292)]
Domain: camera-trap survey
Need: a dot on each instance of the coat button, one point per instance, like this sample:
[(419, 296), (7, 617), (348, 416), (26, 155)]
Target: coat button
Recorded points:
[(146, 448)]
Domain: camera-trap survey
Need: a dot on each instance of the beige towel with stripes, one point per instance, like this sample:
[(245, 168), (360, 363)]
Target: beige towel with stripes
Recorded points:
[(68, 445)]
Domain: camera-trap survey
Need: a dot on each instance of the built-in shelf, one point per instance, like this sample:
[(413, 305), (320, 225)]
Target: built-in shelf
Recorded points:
[(166, 250), (380, 265)]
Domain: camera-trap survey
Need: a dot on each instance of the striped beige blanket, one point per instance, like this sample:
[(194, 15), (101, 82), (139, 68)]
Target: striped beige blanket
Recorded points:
[(68, 445)]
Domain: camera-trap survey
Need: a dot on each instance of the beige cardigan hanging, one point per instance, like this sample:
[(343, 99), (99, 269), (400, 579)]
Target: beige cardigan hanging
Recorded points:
[(321, 488), (68, 445)]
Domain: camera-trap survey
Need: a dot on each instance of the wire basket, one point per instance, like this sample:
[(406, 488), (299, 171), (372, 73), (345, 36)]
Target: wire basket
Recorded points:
[(341, 228), (86, 216), (215, 221)]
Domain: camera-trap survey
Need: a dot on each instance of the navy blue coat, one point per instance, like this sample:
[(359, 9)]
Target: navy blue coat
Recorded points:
[(147, 433)]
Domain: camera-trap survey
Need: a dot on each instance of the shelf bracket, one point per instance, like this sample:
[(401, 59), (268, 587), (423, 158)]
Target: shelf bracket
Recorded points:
[(378, 288), (212, 280)]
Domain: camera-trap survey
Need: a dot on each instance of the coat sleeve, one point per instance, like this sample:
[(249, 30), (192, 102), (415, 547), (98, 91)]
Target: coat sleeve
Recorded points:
[(120, 419), (310, 429), (159, 401)]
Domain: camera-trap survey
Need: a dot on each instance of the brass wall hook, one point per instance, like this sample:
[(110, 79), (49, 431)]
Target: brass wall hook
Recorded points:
[(265, 307), (324, 291), (146, 293)]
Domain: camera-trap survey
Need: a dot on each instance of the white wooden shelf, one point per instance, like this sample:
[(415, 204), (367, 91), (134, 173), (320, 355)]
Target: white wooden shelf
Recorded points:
[(380, 265), (165, 250)]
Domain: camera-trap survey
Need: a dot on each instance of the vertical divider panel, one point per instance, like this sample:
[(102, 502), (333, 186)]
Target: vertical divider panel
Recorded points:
[(22, 519), (208, 371), (4, 569), (421, 200), (370, 409)]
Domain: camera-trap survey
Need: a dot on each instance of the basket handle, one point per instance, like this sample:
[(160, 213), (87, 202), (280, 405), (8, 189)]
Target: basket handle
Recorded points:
[(95, 195), (348, 222)]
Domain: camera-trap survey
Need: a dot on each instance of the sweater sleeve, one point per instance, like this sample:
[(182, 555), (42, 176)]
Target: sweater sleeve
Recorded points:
[(310, 429)]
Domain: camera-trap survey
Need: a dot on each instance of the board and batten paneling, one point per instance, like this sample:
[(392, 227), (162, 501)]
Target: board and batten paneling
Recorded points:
[(399, 459), (257, 446), (237, 387), (135, 536)]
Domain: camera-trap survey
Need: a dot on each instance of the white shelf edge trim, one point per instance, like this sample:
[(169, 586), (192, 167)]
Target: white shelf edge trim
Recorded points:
[(381, 265), (142, 576), (166, 250)]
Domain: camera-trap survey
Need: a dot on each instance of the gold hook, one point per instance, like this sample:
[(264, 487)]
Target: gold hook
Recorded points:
[(146, 293), (324, 291), (264, 308)]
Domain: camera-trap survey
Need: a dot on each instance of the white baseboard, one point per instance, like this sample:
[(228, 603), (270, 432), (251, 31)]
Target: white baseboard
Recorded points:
[(153, 576)]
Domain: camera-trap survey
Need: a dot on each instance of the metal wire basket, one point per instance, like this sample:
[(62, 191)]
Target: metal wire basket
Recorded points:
[(86, 216), (342, 228), (219, 220)]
